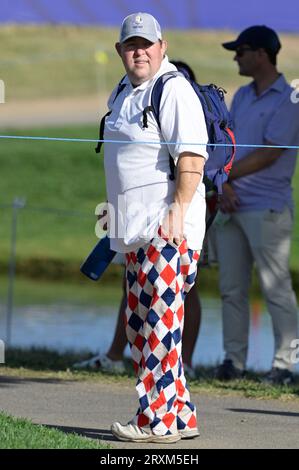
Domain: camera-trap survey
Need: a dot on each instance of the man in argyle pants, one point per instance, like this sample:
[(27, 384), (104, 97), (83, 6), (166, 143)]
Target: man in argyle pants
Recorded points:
[(159, 224)]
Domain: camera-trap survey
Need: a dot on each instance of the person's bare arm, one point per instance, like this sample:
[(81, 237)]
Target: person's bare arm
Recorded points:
[(257, 160), (189, 173)]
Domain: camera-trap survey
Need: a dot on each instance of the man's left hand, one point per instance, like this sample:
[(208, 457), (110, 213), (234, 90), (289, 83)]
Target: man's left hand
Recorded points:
[(229, 201)]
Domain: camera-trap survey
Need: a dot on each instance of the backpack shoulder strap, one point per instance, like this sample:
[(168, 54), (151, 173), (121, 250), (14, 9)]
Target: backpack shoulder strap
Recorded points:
[(120, 88), (154, 107), (157, 91), (101, 133)]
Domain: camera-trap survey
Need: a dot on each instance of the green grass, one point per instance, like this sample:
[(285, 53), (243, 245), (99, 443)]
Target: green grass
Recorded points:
[(58, 61), (16, 433), (54, 175), (47, 364)]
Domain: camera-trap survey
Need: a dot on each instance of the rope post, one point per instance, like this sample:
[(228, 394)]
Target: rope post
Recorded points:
[(17, 204)]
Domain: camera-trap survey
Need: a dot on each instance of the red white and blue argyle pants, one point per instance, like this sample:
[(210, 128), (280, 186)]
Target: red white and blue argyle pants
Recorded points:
[(158, 277)]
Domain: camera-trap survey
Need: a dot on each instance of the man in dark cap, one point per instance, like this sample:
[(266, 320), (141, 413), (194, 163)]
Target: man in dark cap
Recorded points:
[(256, 37), (256, 216)]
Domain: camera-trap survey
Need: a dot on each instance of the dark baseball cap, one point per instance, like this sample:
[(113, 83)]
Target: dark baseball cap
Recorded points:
[(256, 37)]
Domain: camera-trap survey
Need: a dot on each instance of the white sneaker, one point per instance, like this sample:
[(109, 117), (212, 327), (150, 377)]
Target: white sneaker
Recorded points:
[(189, 433), (132, 433), (101, 362)]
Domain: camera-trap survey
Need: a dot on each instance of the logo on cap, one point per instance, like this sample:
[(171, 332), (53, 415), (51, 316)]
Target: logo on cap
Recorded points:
[(138, 22), (138, 19)]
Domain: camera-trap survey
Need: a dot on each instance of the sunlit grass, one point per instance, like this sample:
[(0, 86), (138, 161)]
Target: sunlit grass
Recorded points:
[(57, 61), (17, 433)]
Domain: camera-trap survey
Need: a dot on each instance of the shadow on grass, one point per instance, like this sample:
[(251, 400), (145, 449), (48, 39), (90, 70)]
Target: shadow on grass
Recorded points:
[(264, 412), (36, 358), (250, 386), (100, 434), (46, 360), (8, 381)]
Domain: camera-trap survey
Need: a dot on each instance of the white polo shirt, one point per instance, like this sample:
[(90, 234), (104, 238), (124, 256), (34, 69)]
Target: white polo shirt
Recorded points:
[(137, 165)]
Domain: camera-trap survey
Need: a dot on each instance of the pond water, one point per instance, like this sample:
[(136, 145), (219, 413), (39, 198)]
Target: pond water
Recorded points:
[(65, 326)]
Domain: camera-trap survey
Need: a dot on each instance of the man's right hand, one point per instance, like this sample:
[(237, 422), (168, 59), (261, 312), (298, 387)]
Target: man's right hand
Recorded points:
[(229, 201)]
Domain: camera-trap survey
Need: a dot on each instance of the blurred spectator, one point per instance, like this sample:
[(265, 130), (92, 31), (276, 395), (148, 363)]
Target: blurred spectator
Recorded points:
[(255, 223)]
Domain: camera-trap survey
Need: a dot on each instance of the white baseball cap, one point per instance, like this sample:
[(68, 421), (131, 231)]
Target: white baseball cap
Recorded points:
[(142, 25)]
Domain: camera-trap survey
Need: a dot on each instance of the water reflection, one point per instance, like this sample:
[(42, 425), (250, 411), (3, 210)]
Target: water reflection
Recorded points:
[(65, 326)]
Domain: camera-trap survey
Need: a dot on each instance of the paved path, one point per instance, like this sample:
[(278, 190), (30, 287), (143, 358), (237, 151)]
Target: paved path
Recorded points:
[(89, 408)]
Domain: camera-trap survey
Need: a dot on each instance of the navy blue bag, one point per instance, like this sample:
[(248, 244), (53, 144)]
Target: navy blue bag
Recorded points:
[(219, 128), (98, 259)]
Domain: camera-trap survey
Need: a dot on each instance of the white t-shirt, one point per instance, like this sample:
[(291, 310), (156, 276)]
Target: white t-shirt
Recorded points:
[(137, 165)]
